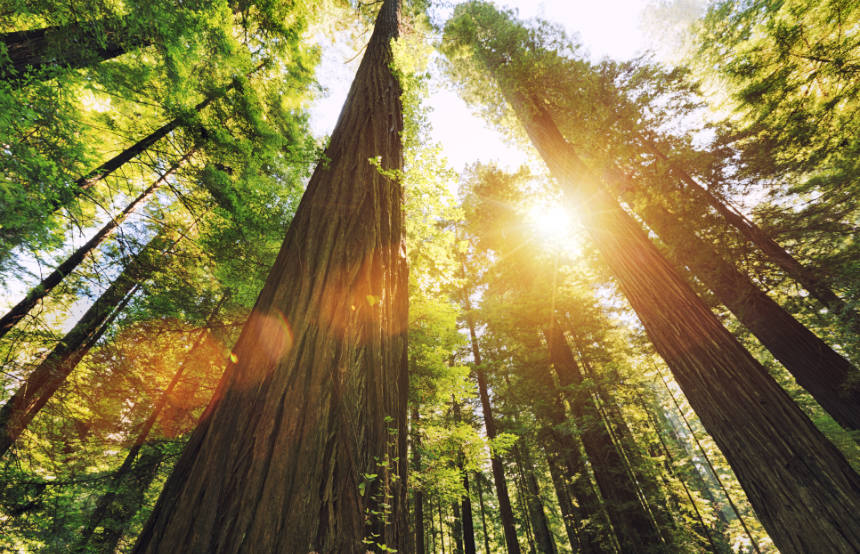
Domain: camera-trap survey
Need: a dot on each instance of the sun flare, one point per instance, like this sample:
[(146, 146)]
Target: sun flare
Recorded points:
[(554, 227)]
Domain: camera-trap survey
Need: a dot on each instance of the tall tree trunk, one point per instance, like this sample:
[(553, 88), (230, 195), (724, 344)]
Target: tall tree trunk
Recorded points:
[(807, 277), (468, 527), (829, 377), (458, 529), (506, 512), (801, 486), (633, 525), (483, 513), (420, 548), (37, 293), (52, 372), (72, 45), (311, 418), (105, 504), (565, 503), (537, 516)]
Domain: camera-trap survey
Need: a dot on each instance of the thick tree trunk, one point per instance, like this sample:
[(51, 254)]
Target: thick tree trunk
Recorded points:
[(807, 278), (537, 516), (829, 377), (37, 293), (304, 446), (52, 372), (633, 525), (457, 529), (73, 45), (506, 512), (801, 486)]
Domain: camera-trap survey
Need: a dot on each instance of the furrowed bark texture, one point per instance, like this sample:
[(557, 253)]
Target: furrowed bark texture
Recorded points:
[(506, 512), (303, 449), (778, 255), (827, 376), (800, 485), (22, 308), (52, 372), (73, 45), (632, 524)]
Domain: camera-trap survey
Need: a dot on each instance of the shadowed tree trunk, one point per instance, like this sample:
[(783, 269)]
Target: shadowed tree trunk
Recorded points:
[(468, 527), (565, 503), (829, 377), (537, 516), (478, 477), (420, 548), (309, 422), (802, 488), (22, 308), (52, 372), (633, 525), (73, 45), (506, 512)]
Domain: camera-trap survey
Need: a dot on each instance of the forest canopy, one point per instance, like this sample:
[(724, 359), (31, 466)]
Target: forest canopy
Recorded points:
[(229, 326)]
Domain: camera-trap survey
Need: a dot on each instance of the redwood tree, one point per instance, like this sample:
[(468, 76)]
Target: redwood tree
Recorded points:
[(303, 447)]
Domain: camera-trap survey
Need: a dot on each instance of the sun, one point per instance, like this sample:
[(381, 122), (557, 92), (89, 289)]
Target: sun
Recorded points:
[(554, 227)]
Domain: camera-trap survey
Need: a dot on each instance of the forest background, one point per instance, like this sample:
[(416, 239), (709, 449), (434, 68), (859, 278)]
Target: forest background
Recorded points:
[(154, 157)]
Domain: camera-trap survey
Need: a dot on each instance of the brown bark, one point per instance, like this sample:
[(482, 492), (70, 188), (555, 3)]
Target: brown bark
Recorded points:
[(43, 382), (827, 376), (778, 255), (37, 293), (506, 512), (73, 45), (794, 477), (633, 525), (304, 447)]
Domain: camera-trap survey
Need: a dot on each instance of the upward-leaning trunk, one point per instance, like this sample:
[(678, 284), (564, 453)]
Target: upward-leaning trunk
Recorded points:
[(44, 381), (506, 512), (801, 486), (468, 527), (778, 255), (303, 447), (633, 525), (419, 493), (540, 525), (827, 376), (22, 308), (72, 45)]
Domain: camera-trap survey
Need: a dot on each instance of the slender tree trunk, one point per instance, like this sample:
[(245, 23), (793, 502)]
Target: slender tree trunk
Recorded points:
[(316, 401), (506, 513), (458, 529), (468, 527), (816, 287), (640, 468), (801, 486), (420, 548), (632, 523), (52, 372), (565, 503), (711, 467), (537, 516), (105, 503), (483, 513), (73, 45), (829, 377), (37, 293)]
